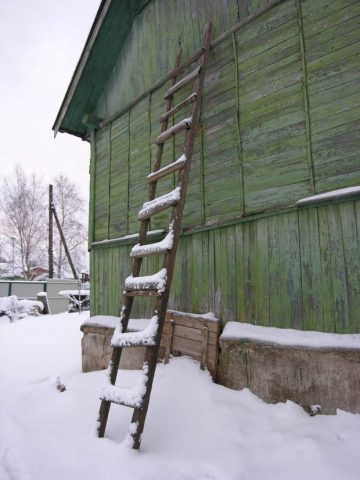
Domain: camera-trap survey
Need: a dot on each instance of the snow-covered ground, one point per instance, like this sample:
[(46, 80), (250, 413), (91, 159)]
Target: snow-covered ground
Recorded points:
[(195, 430)]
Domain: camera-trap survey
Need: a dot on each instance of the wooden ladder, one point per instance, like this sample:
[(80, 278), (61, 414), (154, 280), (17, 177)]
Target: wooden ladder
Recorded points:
[(157, 285)]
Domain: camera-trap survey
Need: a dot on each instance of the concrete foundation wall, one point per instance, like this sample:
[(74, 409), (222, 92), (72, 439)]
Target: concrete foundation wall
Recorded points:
[(96, 350), (307, 376)]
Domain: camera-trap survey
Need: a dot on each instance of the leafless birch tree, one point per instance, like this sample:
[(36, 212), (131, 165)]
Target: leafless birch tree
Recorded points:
[(23, 217)]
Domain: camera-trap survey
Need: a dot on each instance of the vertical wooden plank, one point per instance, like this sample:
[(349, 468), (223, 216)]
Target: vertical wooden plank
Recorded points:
[(248, 292), (274, 272), (305, 98), (284, 272), (196, 276), (224, 286), (294, 279), (240, 277), (254, 280), (119, 177), (128, 180), (139, 161), (200, 279), (101, 184), (218, 291), (310, 269), (175, 294), (211, 271), (91, 234), (338, 269), (93, 276), (204, 300), (263, 272), (238, 126), (186, 281), (231, 273), (327, 294), (109, 182)]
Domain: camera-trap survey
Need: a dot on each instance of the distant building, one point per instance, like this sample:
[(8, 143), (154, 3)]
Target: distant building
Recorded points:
[(37, 273)]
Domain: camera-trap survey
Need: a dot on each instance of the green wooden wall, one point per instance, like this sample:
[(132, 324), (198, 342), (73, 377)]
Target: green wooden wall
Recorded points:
[(298, 269), (280, 121)]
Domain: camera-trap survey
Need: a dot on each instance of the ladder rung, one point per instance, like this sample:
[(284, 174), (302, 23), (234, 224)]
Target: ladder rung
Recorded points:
[(155, 282), (139, 251), (181, 83), (159, 204), (179, 127), (143, 338), (191, 98), (196, 55), (182, 125), (171, 168), (130, 397)]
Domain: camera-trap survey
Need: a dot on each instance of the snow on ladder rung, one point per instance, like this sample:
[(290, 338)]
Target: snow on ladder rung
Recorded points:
[(155, 282), (154, 248), (130, 397), (143, 338), (181, 83), (159, 204), (171, 168), (184, 124)]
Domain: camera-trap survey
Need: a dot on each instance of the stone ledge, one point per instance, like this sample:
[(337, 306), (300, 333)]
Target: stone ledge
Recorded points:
[(188, 334), (309, 368), (96, 344)]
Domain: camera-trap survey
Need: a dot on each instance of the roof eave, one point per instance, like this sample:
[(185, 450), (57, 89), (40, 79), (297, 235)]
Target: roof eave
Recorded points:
[(96, 26)]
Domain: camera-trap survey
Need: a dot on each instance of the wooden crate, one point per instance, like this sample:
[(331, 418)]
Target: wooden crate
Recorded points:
[(192, 335)]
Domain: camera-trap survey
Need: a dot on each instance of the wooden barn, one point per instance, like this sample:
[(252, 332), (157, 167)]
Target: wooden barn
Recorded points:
[(279, 126)]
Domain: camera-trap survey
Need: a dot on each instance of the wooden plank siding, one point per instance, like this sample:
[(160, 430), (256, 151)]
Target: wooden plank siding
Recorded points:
[(280, 121), (298, 269)]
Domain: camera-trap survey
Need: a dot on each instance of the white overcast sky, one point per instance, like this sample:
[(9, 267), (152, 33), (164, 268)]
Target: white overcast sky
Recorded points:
[(40, 44)]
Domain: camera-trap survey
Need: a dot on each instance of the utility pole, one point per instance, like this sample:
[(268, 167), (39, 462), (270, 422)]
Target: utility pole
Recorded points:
[(51, 238)]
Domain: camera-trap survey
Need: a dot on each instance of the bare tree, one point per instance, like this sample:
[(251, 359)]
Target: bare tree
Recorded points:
[(71, 213), (23, 216)]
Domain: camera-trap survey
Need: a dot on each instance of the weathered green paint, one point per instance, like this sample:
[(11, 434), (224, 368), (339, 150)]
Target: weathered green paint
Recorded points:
[(280, 120), (298, 269)]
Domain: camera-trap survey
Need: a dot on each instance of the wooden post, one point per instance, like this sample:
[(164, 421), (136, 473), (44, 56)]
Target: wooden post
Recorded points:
[(51, 238), (64, 242)]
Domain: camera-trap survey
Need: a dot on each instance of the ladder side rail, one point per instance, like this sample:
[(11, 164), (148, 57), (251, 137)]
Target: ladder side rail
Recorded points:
[(139, 415), (136, 266)]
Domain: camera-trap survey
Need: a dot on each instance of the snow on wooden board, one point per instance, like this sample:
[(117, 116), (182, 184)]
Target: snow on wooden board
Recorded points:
[(195, 429), (289, 337), (341, 192), (143, 337), (157, 281), (204, 316), (162, 246), (166, 199)]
